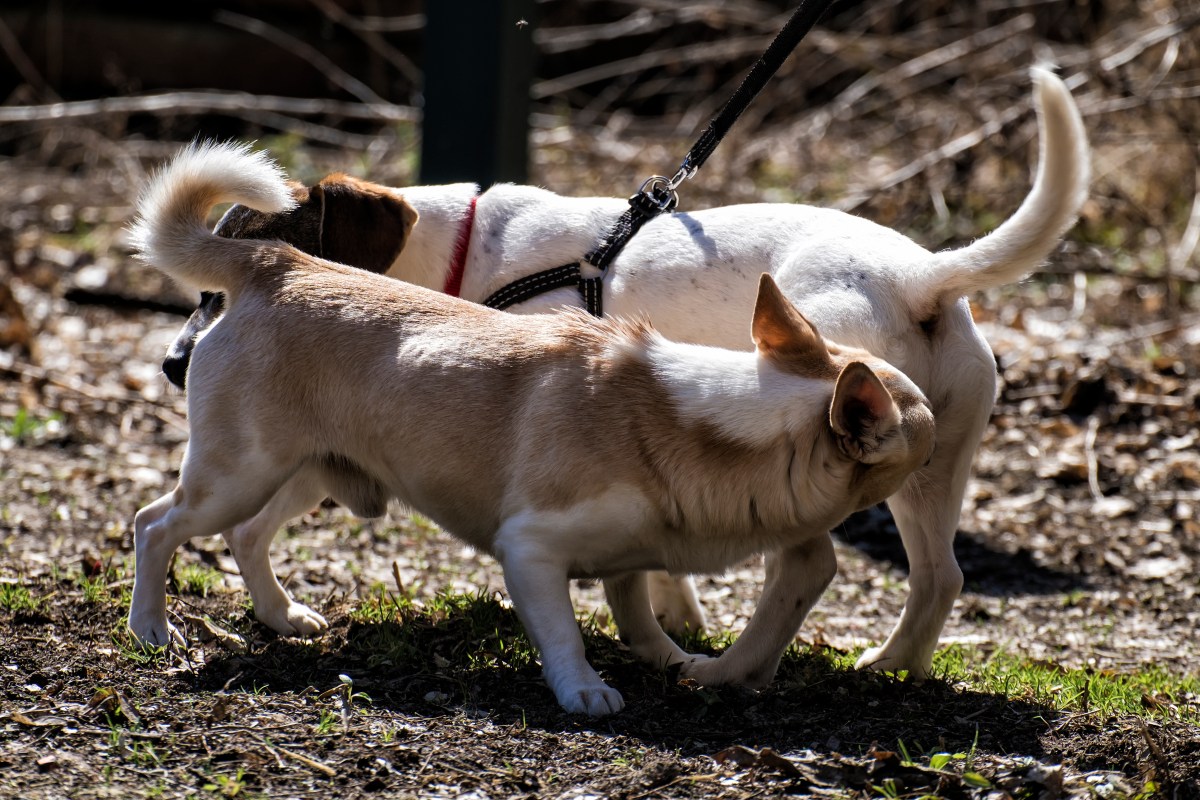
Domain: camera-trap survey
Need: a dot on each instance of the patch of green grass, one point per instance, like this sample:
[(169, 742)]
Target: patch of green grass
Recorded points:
[(134, 650), (107, 586), (95, 590), (1149, 692), (17, 599), (422, 525), (25, 426), (144, 754), (228, 785), (326, 723), (197, 579), (474, 631)]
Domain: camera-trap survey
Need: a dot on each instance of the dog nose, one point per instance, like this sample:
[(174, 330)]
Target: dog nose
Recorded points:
[(176, 370)]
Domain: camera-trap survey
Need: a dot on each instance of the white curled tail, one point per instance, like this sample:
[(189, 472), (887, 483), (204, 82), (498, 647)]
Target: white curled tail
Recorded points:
[(170, 230), (1025, 239)]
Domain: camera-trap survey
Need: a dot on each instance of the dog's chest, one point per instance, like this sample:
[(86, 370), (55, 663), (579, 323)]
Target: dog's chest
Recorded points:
[(622, 530)]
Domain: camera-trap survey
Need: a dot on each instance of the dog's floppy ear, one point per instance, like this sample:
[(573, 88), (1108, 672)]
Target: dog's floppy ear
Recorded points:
[(862, 414), (362, 225), (780, 330), (300, 226)]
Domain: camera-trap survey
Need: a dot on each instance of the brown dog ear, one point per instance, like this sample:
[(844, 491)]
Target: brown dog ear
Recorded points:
[(363, 225), (863, 413), (780, 330), (299, 226)]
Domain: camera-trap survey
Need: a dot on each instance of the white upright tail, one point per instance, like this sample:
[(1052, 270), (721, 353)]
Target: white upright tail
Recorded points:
[(1025, 239), (170, 230)]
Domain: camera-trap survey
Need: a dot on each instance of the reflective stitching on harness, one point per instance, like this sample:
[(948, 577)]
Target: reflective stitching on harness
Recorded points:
[(533, 285), (591, 289)]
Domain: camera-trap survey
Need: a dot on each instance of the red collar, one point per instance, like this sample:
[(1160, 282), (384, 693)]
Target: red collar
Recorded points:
[(458, 262)]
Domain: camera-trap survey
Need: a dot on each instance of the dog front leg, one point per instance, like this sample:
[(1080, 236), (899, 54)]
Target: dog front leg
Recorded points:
[(795, 579), (250, 543), (540, 591), (629, 600)]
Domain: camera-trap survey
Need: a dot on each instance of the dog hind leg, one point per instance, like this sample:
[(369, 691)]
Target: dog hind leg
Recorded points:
[(205, 502), (250, 544), (926, 510)]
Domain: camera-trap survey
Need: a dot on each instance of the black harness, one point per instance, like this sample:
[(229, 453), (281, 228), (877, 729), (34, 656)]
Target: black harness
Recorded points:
[(657, 195)]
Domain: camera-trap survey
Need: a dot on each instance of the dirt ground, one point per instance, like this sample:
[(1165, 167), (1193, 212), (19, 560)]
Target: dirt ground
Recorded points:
[(1079, 540)]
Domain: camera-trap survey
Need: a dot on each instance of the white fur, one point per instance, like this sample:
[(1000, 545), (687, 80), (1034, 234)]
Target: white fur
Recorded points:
[(259, 183), (746, 399)]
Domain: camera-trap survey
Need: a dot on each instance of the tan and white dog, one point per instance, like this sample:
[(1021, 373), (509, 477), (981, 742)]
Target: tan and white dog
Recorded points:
[(694, 275), (323, 379)]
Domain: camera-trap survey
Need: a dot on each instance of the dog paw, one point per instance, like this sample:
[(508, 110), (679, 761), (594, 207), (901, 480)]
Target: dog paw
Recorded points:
[(296, 619), (150, 634), (878, 659), (704, 670), (595, 701), (720, 672)]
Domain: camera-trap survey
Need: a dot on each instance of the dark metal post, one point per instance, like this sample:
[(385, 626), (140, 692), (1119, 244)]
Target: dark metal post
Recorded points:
[(478, 68)]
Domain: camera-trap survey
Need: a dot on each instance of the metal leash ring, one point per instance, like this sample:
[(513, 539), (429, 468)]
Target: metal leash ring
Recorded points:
[(660, 191)]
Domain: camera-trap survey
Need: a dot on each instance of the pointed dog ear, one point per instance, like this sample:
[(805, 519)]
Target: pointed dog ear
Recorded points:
[(780, 330), (863, 414), (362, 224)]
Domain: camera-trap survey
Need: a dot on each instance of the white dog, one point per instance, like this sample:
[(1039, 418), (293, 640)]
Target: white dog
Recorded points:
[(329, 380), (694, 276)]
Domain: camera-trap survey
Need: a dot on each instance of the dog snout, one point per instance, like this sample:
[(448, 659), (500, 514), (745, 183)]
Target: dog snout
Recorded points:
[(175, 368)]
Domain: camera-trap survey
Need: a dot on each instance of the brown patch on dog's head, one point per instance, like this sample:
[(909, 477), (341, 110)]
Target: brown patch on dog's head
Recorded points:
[(786, 336), (341, 219), (365, 225)]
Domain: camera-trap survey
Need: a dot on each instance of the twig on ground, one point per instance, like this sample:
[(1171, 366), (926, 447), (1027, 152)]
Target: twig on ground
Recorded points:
[(893, 79), (78, 387), (708, 51), (412, 22), (1141, 44), (946, 151), (311, 131), (324, 769), (1182, 252), (1093, 463)]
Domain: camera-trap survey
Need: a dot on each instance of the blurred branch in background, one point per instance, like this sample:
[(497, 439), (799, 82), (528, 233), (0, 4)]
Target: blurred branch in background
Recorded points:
[(915, 114)]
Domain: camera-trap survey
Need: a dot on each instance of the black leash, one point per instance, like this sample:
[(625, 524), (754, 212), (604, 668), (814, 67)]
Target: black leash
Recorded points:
[(657, 194)]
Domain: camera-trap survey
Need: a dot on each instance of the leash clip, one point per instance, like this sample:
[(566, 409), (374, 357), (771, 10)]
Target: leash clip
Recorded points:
[(659, 190), (686, 172)]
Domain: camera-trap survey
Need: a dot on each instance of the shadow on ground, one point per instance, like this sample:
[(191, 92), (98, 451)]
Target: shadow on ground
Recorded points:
[(986, 569), (467, 661)]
